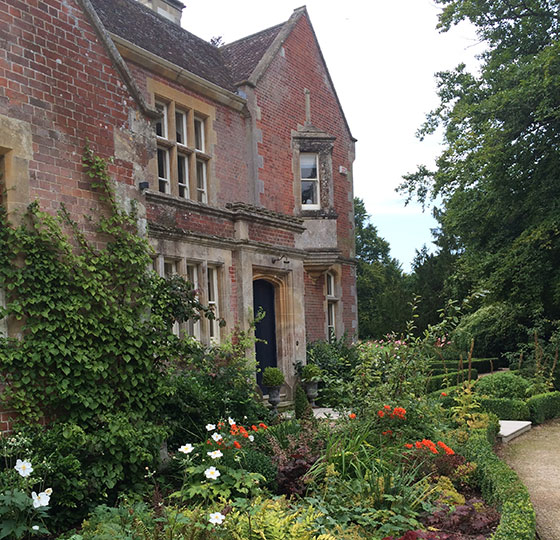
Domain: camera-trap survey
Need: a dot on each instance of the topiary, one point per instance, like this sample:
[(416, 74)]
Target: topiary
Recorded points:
[(301, 404), (272, 376), (503, 385)]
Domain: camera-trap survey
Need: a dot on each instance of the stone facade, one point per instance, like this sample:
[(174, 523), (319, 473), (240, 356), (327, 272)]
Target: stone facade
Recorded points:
[(208, 141)]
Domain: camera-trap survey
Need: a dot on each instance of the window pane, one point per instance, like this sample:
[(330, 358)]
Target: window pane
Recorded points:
[(199, 134), (308, 165), (330, 285), (162, 162), (308, 192), (161, 123), (211, 292), (180, 127), (201, 181)]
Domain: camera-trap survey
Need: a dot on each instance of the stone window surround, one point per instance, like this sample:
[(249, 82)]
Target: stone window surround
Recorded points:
[(332, 302), (322, 145), (195, 110), (201, 269)]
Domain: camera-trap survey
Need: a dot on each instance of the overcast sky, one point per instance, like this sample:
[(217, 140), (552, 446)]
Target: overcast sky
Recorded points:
[(382, 56)]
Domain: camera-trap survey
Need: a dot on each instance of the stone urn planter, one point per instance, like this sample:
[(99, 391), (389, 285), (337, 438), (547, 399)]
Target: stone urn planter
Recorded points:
[(273, 379), (312, 391), (310, 377)]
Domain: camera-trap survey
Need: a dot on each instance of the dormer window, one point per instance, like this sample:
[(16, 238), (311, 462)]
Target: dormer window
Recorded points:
[(309, 174)]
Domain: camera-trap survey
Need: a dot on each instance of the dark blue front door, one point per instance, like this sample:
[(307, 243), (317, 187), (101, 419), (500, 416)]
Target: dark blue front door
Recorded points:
[(263, 297)]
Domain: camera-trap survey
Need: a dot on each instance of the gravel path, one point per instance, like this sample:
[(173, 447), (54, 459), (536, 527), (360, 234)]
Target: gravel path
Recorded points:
[(535, 457)]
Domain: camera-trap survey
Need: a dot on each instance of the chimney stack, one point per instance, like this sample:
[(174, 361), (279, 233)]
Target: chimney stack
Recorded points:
[(170, 9)]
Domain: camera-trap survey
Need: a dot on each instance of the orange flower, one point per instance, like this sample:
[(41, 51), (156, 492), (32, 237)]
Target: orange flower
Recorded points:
[(388, 407), (418, 444), (443, 394), (388, 432), (408, 445), (236, 444), (381, 414), (261, 425), (254, 428), (352, 415)]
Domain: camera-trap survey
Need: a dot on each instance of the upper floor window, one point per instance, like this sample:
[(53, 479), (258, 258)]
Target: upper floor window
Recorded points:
[(182, 162), (309, 174)]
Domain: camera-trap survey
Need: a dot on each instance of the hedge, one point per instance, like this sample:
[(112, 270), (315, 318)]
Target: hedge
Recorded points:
[(441, 381), (544, 406), (501, 486), (482, 365), (506, 409)]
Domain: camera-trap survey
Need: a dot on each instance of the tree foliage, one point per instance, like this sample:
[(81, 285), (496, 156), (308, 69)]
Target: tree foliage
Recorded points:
[(383, 293), (497, 176)]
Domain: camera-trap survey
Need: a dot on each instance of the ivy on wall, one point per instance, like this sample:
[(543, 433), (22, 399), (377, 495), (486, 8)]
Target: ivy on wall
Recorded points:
[(95, 321)]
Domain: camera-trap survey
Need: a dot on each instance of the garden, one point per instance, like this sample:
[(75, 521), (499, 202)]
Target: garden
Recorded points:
[(123, 430)]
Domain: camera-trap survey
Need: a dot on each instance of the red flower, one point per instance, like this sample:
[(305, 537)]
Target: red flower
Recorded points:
[(261, 425), (236, 444), (381, 414), (388, 432), (408, 445), (443, 394), (352, 415), (388, 407), (254, 428)]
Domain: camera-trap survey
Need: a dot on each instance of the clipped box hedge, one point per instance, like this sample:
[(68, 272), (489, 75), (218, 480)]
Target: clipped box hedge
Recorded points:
[(482, 365), (506, 409), (544, 407), (437, 382), (501, 486)]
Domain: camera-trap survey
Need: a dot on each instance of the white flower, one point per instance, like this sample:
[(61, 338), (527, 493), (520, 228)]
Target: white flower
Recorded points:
[(231, 421), (35, 527), (210, 427), (23, 467), (186, 448), (48, 491), (40, 500), (212, 473), (216, 518), (217, 437), (251, 438), (215, 454)]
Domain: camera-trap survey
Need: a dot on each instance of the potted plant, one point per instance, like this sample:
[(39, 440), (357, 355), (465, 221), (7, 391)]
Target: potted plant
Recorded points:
[(273, 379), (310, 376)]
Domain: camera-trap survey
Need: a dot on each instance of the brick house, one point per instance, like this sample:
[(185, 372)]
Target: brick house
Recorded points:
[(239, 156)]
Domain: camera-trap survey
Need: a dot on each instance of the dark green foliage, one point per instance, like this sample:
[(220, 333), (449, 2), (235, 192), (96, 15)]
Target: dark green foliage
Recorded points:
[(544, 407), (482, 365), (501, 486), (382, 286), (506, 409), (301, 403), (272, 376), (496, 179), (503, 385), (443, 381), (258, 462)]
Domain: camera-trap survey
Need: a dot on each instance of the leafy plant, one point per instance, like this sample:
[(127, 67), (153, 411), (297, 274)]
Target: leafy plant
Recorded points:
[(272, 376), (311, 373)]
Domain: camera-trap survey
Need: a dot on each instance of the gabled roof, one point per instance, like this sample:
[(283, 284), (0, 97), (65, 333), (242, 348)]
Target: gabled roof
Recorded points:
[(140, 25), (243, 56)]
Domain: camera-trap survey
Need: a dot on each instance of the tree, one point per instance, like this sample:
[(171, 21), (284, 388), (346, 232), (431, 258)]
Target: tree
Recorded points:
[(497, 177), (383, 293)]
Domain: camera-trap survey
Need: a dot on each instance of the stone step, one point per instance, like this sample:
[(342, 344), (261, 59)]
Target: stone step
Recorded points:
[(510, 429)]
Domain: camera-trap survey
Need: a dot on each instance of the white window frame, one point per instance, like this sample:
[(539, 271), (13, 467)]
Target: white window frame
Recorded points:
[(201, 191), (202, 135), (212, 296), (185, 184), (183, 115), (166, 180), (162, 107), (332, 305), (193, 326), (317, 205)]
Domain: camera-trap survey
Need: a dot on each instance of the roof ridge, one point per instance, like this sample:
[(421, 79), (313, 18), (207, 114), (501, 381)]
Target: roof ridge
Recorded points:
[(251, 35)]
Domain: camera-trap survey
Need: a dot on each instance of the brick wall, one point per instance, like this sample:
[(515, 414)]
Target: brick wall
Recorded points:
[(315, 315), (55, 75)]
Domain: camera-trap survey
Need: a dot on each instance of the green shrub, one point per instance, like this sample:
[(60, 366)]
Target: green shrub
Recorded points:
[(506, 409), (311, 373), (442, 381), (503, 385), (544, 406), (502, 487), (301, 403), (272, 376), (482, 365)]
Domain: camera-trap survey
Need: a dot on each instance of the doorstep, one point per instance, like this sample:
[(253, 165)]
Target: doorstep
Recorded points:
[(510, 429)]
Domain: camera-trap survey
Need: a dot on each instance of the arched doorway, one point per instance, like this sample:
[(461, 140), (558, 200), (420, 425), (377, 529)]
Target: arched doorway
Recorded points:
[(265, 330)]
